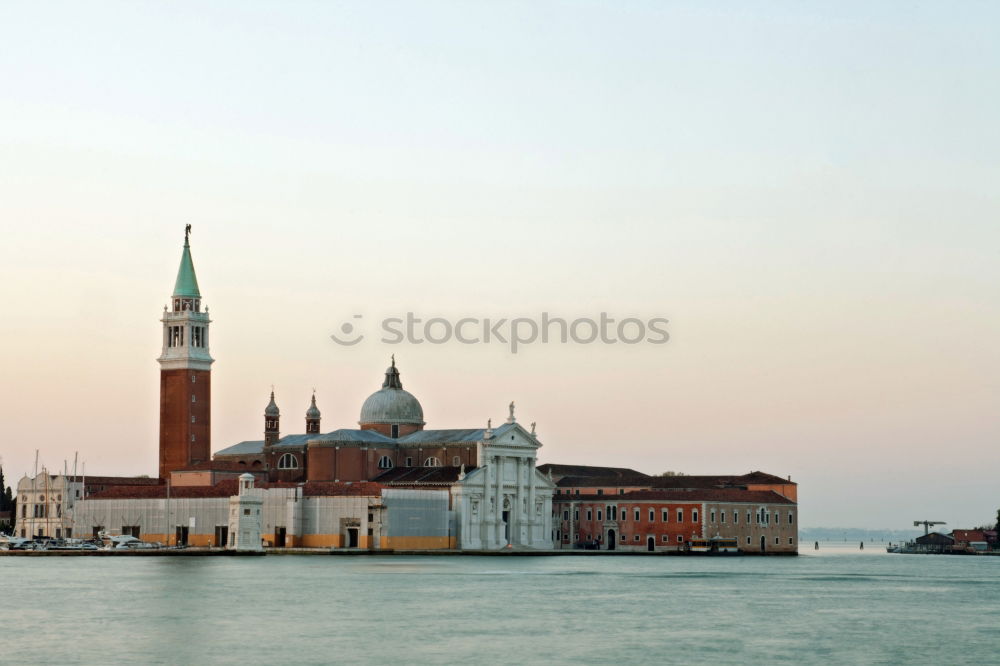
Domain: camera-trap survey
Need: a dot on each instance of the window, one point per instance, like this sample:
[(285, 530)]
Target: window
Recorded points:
[(193, 398), (599, 518), (192, 418), (636, 514), (192, 438), (791, 541), (652, 515), (748, 517), (736, 517), (694, 515), (621, 491), (576, 515), (777, 518), (680, 539), (722, 516), (565, 515), (589, 515), (246, 512), (288, 461), (776, 541), (409, 462), (385, 462), (664, 538), (680, 515), (666, 516), (712, 516), (456, 461), (622, 539), (748, 541), (432, 462), (600, 491), (637, 537), (791, 518), (394, 431), (192, 379)]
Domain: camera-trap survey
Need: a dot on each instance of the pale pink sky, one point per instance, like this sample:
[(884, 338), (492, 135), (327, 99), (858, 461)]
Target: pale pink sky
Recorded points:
[(808, 195)]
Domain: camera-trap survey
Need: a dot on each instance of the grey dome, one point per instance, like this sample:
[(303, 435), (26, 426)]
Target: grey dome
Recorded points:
[(391, 404)]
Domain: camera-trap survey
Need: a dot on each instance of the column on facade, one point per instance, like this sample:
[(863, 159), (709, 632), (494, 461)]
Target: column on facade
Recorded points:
[(484, 516), (499, 500)]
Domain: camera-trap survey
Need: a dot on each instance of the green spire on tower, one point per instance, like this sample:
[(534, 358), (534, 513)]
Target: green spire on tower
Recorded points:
[(187, 282)]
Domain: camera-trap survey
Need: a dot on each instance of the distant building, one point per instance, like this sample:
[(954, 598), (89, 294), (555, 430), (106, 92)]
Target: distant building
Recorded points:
[(45, 502)]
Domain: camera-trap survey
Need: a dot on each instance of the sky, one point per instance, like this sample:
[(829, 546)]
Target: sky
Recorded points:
[(805, 190)]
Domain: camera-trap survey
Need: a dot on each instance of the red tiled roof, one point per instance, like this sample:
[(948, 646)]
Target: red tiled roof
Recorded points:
[(230, 487), (115, 480), (421, 476), (605, 481), (694, 495), (589, 471)]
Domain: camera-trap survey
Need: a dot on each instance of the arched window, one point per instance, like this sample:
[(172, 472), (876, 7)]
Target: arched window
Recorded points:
[(288, 461), (385, 462), (432, 462)]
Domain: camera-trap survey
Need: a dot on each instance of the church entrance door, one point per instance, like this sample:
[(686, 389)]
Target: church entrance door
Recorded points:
[(612, 540)]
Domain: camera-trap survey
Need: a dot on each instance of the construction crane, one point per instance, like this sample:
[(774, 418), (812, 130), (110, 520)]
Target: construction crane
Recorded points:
[(928, 524)]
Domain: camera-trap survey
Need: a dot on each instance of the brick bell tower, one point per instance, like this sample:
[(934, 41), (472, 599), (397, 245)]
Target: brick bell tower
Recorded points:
[(185, 374)]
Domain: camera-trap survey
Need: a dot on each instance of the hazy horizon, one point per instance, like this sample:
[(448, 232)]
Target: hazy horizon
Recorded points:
[(806, 191)]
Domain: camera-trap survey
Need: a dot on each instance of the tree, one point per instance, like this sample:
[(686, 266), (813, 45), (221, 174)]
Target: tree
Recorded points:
[(671, 473), (5, 494)]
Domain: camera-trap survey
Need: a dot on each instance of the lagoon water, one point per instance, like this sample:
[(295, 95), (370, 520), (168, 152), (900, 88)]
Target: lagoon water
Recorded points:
[(835, 605)]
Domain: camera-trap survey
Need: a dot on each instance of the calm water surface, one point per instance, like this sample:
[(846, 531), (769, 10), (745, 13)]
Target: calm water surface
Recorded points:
[(836, 605)]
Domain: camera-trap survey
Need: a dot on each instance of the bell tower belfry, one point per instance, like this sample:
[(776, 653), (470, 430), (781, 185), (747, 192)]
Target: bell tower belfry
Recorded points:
[(185, 374)]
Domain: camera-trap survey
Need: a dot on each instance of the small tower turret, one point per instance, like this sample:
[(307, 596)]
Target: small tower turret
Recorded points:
[(272, 418), (312, 417)]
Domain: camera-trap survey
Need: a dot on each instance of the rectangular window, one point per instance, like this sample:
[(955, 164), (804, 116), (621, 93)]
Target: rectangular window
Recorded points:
[(193, 398), (590, 515), (680, 539), (599, 515), (652, 515), (776, 541), (748, 517), (576, 515), (712, 516), (623, 538), (192, 379), (636, 515), (791, 541), (722, 516), (664, 538), (680, 515), (600, 491), (621, 491), (666, 516), (636, 537), (694, 515), (246, 512), (736, 517), (748, 541), (565, 515), (791, 518), (192, 418), (409, 462)]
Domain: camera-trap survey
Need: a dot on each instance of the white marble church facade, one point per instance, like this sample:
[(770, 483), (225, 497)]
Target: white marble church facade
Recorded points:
[(505, 501)]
